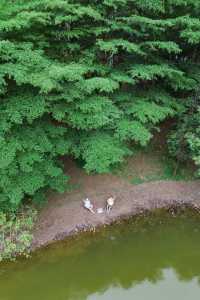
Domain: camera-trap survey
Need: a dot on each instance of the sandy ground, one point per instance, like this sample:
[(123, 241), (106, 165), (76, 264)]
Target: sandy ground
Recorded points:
[(64, 214)]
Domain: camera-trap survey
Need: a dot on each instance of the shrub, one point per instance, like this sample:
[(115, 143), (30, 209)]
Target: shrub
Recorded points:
[(16, 233), (184, 141)]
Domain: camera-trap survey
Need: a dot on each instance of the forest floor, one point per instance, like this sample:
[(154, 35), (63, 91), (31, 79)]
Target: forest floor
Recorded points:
[(147, 180)]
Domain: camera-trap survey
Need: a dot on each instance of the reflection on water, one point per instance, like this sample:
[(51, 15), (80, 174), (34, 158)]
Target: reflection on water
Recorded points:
[(152, 258), (169, 287)]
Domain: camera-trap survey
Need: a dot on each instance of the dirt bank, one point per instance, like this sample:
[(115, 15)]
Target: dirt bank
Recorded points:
[(64, 214)]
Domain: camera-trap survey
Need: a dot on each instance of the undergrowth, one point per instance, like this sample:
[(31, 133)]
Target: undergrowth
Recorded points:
[(153, 164), (16, 233)]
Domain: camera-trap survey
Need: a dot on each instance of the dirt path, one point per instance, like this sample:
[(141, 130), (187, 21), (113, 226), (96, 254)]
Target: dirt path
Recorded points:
[(64, 214)]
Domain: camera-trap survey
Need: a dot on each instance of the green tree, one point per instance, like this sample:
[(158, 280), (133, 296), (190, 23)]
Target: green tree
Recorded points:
[(86, 78)]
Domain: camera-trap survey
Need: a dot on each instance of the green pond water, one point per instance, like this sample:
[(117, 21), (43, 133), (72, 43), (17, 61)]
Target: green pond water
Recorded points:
[(154, 258)]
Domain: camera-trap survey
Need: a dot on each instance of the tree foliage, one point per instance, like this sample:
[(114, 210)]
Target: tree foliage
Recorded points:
[(184, 141), (85, 78)]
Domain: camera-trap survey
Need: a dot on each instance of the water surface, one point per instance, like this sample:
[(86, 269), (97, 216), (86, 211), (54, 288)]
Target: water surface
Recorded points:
[(154, 258)]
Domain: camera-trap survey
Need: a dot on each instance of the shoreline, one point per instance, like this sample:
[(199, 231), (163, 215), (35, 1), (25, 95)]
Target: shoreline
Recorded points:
[(64, 217)]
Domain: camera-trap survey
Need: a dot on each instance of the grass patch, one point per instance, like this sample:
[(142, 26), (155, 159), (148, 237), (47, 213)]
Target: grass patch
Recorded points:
[(152, 164), (167, 172)]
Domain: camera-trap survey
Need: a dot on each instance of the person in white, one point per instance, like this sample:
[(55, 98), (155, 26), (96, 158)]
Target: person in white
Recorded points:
[(88, 205), (110, 203)]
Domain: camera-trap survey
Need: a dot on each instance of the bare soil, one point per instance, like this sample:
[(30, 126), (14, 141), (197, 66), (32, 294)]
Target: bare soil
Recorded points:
[(64, 214)]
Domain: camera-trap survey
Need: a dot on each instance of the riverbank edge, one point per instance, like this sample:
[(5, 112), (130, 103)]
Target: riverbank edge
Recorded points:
[(144, 199)]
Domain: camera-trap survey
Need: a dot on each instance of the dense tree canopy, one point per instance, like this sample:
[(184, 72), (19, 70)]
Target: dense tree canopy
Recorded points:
[(84, 78)]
